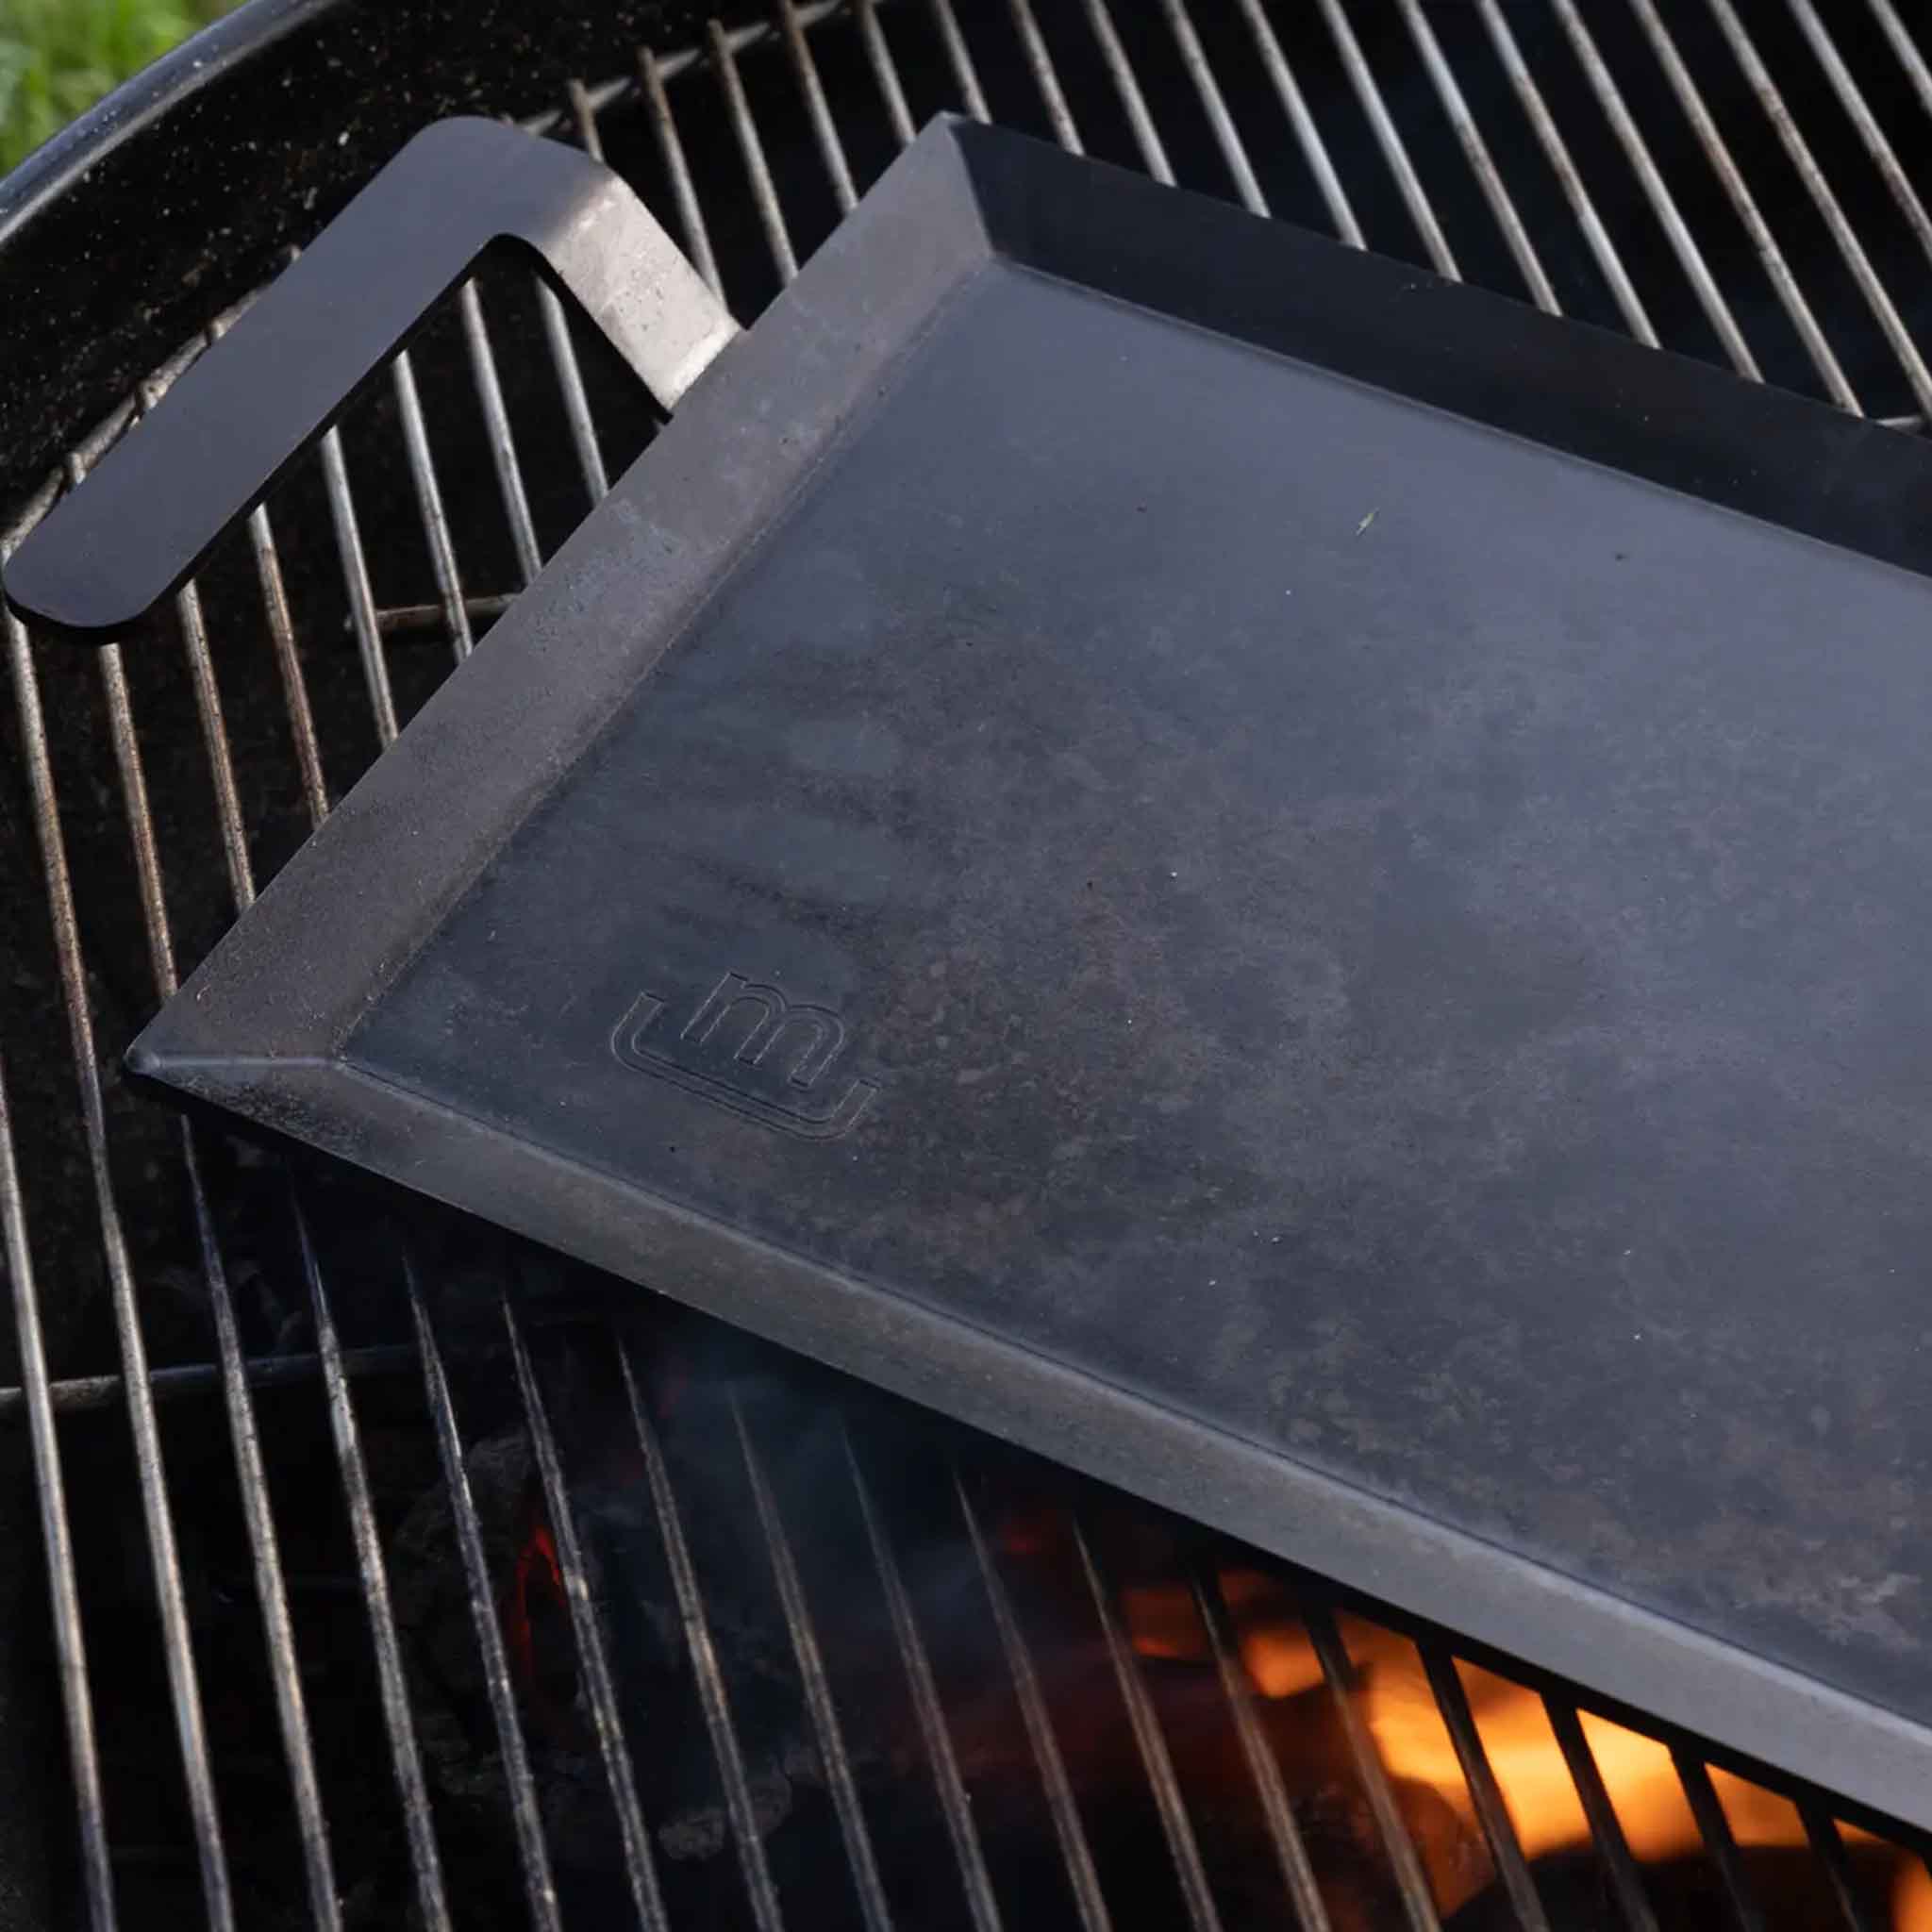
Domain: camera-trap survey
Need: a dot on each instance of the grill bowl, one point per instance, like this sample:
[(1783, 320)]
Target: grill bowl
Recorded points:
[(225, 1523)]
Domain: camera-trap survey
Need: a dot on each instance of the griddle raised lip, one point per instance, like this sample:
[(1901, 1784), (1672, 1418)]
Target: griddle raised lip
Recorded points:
[(1854, 1749), (261, 1028)]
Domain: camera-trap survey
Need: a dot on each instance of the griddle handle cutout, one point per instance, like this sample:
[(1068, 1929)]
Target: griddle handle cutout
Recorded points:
[(142, 522)]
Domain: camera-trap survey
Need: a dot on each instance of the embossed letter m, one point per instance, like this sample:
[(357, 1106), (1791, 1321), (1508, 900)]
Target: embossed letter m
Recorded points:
[(777, 1016), (767, 1027)]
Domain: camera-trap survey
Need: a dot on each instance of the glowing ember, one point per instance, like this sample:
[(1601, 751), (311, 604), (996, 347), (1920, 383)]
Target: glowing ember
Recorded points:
[(1406, 1722), (535, 1581), (1911, 1896)]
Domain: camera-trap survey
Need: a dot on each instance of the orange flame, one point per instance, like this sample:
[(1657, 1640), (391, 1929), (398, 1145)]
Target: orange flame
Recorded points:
[(1538, 1791), (1911, 1895)]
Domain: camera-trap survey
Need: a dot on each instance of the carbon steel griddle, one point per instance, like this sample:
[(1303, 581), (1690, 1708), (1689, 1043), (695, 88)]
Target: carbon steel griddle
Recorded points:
[(1297, 885)]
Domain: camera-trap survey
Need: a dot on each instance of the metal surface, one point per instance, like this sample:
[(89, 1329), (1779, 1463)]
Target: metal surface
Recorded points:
[(1654, 180), (1339, 1671), (1284, 1831), (1483, 1792), (1089, 1899), (156, 1510), (943, 1760), (70, 1643), (696, 868), (532, 1849), (1606, 1828), (816, 1685), (1177, 1826), (712, 1693), (600, 1688), (231, 426)]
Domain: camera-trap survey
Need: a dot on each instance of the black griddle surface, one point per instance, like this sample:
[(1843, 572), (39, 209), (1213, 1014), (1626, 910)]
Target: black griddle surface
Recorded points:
[(1353, 971)]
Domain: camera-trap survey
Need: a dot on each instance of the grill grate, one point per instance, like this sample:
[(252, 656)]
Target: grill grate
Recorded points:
[(1745, 186)]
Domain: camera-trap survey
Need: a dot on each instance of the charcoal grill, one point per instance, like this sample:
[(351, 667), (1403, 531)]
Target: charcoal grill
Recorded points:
[(729, 1640)]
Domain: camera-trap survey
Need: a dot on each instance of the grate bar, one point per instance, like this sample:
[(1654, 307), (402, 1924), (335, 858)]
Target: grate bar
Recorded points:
[(393, 618), (1605, 1829), (1196, 1895), (1663, 203), (355, 566), (429, 489), (959, 59), (251, 1474), (818, 1686), (684, 190), (752, 147), (1295, 104), (1905, 48), (1344, 1688), (1065, 1812), (1569, 177), (1127, 90), (510, 469), (83, 1392), (818, 110), (281, 628), (1718, 1841), (1040, 64), (503, 443), (885, 70), (576, 402), (50, 1487), (1850, 97), (1388, 139), (1291, 1851), (600, 1686), (712, 1694), (183, 1682), (214, 735), (526, 1818), (1828, 1846), (606, 94), (1483, 1792), (1877, 298), (1214, 104), (404, 1756), (285, 1670), (563, 351), (141, 825), (954, 1802), (583, 117), (1790, 296), (1477, 152)]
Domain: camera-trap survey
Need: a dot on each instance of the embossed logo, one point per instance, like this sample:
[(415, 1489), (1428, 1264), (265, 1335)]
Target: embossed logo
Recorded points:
[(748, 1048)]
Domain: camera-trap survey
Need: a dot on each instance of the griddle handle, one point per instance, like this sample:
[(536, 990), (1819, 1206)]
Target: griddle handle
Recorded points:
[(149, 512)]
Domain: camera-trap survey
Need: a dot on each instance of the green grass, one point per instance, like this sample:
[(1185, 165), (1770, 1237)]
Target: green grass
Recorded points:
[(58, 57)]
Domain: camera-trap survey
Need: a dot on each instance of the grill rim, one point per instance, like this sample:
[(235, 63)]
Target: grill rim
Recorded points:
[(204, 59), (103, 295)]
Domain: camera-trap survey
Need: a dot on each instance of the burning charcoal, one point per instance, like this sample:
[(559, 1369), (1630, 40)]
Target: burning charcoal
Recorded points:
[(1453, 1851), (1575, 1897), (578, 1823), (704, 1831), (426, 1581), (452, 1758)]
